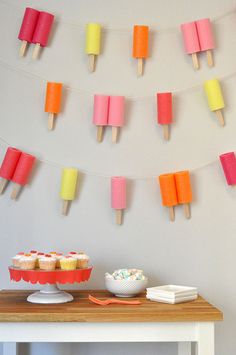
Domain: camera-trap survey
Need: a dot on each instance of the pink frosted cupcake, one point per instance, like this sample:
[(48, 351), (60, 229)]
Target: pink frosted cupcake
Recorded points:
[(47, 262), (58, 257), (16, 259), (82, 260), (27, 262)]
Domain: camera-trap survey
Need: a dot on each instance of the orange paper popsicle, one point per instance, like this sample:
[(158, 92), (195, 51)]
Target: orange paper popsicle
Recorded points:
[(53, 102), (184, 191), (168, 193), (140, 46)]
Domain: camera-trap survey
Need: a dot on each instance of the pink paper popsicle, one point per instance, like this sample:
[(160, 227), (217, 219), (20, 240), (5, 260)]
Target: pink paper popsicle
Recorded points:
[(228, 162), (116, 115), (42, 31), (206, 38), (100, 114), (191, 41), (118, 196), (28, 25)]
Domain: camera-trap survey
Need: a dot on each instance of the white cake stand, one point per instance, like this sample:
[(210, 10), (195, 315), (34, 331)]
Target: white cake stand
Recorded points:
[(50, 294)]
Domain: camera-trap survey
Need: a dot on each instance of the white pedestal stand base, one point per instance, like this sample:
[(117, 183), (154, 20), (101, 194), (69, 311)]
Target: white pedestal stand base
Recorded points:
[(50, 294)]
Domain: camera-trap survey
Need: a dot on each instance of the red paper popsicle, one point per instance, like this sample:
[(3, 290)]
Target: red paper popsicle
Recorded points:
[(164, 111), (42, 31), (8, 166)]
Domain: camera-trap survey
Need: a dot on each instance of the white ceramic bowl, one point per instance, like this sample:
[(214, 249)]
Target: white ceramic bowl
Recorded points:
[(125, 288)]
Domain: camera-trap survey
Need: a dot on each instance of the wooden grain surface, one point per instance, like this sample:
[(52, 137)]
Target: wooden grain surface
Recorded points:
[(15, 308)]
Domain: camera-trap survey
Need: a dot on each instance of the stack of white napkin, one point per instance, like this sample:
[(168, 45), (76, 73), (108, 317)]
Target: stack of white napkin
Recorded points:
[(172, 294)]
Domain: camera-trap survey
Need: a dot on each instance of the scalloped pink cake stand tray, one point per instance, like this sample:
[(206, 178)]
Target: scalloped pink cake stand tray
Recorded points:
[(50, 292)]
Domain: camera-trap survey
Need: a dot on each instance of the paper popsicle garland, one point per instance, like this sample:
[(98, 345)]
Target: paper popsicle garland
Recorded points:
[(68, 187), (140, 46), (116, 115), (215, 98), (184, 191), (228, 162), (22, 173), (168, 193), (53, 102), (198, 37), (27, 29), (42, 32), (164, 112), (8, 166), (118, 196), (93, 44)]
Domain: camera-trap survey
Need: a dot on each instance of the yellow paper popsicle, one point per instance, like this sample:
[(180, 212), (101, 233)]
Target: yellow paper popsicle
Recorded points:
[(68, 187), (93, 43), (215, 98)]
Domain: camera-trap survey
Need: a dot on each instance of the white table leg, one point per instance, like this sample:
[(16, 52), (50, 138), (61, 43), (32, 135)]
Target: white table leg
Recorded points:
[(184, 348), (10, 349), (205, 342)]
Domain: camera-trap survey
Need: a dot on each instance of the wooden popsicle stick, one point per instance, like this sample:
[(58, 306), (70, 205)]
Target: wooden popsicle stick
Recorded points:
[(166, 132), (36, 51), (65, 207), (220, 117), (119, 214), (195, 61), (172, 213), (91, 62), (23, 48), (51, 117), (99, 134), (3, 184), (15, 191), (187, 212), (140, 67), (210, 60), (114, 134)]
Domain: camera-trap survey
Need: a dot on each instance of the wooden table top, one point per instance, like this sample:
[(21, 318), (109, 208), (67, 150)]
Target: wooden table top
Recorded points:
[(15, 308)]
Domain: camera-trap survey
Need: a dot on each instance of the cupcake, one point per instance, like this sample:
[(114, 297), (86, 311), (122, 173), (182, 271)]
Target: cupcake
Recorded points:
[(27, 262), (47, 262), (58, 257), (82, 260), (68, 263), (16, 259), (38, 256)]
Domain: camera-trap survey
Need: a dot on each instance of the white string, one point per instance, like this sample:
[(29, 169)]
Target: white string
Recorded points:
[(106, 176), (89, 93), (154, 27)]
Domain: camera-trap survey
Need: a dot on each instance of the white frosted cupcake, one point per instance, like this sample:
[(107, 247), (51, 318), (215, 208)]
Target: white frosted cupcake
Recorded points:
[(47, 262), (82, 260), (58, 257), (27, 262), (16, 259), (68, 263), (38, 256)]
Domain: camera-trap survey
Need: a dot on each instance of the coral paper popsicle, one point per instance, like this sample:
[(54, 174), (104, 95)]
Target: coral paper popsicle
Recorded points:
[(206, 38), (116, 115), (93, 43), (28, 25), (100, 114), (184, 191), (164, 112), (228, 162), (8, 166), (22, 173), (118, 196), (42, 32), (215, 98), (53, 102), (191, 41), (140, 46), (168, 193), (68, 187)]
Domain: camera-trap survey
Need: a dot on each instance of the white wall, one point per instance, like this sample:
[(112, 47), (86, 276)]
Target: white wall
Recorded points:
[(199, 252)]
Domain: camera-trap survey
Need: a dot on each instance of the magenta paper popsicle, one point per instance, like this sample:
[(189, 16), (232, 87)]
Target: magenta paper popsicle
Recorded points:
[(228, 162), (28, 25), (42, 32)]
